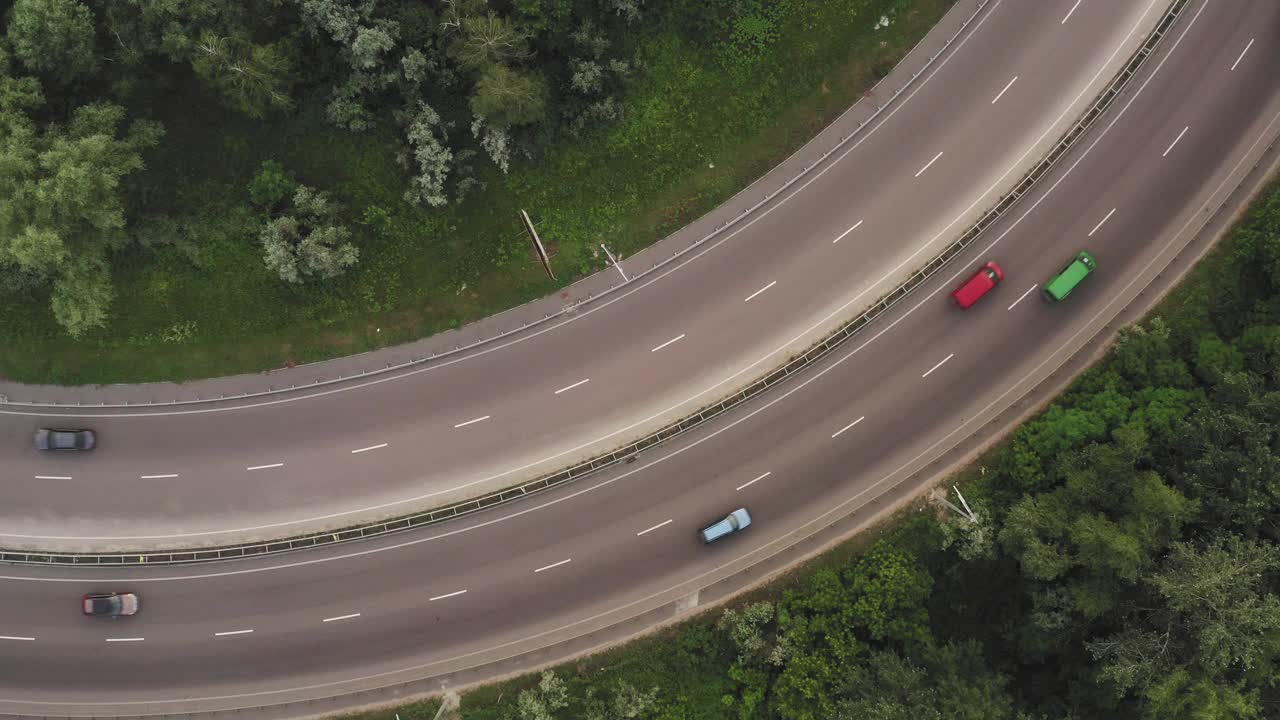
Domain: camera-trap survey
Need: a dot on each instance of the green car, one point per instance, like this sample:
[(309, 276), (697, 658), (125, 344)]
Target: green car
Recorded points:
[(1061, 285)]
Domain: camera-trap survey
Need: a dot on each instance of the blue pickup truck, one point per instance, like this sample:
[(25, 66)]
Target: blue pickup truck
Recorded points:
[(736, 520)]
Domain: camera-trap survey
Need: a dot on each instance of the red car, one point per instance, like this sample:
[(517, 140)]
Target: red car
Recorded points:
[(987, 277)]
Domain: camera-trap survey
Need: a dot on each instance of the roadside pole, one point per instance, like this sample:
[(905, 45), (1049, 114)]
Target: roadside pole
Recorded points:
[(615, 262), (537, 244)]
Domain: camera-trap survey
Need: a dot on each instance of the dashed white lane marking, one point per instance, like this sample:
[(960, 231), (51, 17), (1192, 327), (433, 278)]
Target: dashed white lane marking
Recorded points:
[(18, 637), (1175, 141), (379, 446), (137, 639), (655, 527), (570, 387), (265, 467), (341, 617), (846, 232), (472, 422), (935, 367), (766, 287), (1100, 222), (1067, 17), (53, 477), (449, 595), (157, 477), (554, 565), (233, 632), (926, 165), (846, 427), (749, 483), (677, 338), (1023, 296), (1242, 52), (1006, 89)]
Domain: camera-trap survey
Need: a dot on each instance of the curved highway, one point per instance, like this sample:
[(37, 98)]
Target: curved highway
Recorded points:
[(254, 632), (671, 342)]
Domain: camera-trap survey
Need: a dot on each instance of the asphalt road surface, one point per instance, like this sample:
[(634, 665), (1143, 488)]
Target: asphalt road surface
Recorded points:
[(963, 135), (245, 631)]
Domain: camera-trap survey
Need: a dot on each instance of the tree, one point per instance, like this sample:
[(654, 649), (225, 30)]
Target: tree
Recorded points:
[(60, 205), (82, 294), (249, 78), (747, 629), (950, 682), (488, 40), (1217, 593), (54, 37), (1181, 696), (309, 241), (628, 703), (137, 30), (540, 703), (271, 185), (430, 157), (506, 97)]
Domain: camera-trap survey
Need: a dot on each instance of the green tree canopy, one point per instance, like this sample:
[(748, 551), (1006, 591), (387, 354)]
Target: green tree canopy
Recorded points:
[(60, 205), (54, 37)]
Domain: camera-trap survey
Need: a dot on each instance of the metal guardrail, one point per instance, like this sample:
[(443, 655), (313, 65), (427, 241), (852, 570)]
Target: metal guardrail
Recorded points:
[(797, 363)]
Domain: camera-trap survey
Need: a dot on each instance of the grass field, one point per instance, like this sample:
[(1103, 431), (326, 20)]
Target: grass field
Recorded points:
[(703, 124)]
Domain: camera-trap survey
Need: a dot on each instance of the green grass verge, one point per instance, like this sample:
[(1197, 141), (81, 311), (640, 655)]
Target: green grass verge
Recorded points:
[(703, 124)]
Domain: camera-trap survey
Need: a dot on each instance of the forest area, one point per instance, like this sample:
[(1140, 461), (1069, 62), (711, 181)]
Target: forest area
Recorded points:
[(1125, 561), (192, 188)]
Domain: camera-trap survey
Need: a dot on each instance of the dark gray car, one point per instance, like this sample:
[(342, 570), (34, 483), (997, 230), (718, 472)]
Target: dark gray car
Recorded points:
[(48, 439)]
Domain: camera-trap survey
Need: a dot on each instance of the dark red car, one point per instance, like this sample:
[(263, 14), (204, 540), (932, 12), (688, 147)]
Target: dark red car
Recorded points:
[(987, 277)]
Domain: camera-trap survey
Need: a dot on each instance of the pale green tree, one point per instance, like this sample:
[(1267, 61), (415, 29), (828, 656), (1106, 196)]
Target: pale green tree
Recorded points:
[(60, 207), (507, 97), (309, 241)]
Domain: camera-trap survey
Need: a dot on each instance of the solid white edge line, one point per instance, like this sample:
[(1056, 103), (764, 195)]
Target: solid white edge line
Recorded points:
[(1067, 17), (1023, 296), (1242, 52), (664, 523), (442, 597), (15, 637), (570, 387), (1175, 141), (157, 477), (674, 339), (1100, 222), (1005, 90), (265, 467), (232, 632), (553, 565), (846, 232), (766, 287), (935, 367), (133, 639), (753, 482), (472, 422), (341, 617), (926, 165), (855, 422), (371, 447), (53, 477)]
